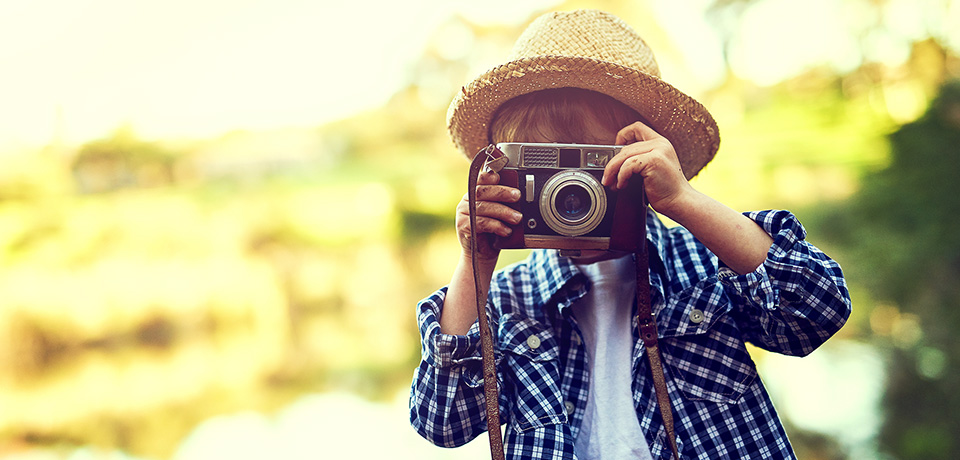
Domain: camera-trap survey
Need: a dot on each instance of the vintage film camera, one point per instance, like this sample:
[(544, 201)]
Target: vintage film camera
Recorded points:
[(563, 203)]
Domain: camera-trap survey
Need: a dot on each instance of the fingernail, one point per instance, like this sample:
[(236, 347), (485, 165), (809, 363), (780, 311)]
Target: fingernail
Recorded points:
[(515, 194)]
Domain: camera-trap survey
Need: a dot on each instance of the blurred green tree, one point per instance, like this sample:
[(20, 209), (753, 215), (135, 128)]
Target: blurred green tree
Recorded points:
[(121, 161), (901, 229)]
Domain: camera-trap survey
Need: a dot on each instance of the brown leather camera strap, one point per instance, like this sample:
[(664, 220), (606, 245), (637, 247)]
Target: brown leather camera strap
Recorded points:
[(490, 391), (647, 325), (645, 322)]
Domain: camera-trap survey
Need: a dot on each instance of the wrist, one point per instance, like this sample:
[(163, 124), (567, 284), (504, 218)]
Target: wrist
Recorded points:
[(485, 263), (683, 206)]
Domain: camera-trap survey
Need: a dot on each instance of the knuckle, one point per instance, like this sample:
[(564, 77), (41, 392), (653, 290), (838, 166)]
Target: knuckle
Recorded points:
[(486, 226), (489, 177)]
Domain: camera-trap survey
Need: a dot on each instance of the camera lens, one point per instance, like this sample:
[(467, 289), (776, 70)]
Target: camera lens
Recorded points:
[(572, 203)]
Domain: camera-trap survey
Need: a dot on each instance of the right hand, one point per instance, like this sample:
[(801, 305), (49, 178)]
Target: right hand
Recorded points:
[(493, 216)]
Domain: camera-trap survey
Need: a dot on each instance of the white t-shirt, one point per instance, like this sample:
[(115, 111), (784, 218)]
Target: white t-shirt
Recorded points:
[(610, 427)]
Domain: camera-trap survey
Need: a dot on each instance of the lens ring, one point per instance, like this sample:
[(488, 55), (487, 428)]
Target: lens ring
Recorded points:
[(582, 203)]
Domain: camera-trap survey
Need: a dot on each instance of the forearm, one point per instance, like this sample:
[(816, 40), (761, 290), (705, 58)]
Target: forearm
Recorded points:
[(446, 399), (737, 241), (460, 306)]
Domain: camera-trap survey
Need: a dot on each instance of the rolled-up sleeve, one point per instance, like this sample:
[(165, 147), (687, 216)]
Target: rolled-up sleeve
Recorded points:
[(444, 350), (796, 299), (446, 397)]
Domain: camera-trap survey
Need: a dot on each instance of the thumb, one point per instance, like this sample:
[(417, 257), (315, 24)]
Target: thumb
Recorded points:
[(636, 132), (488, 177)]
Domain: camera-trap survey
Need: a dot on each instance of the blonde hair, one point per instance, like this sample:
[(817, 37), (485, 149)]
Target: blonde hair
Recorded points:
[(561, 115)]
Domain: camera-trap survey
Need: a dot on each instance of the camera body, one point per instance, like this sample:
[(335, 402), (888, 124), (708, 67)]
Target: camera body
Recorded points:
[(563, 203)]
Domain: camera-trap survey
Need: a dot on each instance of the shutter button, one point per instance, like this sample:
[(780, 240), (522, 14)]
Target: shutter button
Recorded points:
[(696, 316), (533, 342)]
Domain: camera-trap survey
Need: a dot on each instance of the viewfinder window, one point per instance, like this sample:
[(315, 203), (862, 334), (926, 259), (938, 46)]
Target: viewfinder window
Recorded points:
[(569, 158), (598, 158)]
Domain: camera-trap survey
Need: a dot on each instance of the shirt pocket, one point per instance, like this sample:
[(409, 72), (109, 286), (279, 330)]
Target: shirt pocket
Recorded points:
[(702, 347), (530, 371)]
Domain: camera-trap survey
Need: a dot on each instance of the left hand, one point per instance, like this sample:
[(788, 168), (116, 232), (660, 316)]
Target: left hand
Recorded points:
[(652, 156)]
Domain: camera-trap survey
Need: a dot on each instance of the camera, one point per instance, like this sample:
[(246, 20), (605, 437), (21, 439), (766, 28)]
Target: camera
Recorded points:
[(563, 203)]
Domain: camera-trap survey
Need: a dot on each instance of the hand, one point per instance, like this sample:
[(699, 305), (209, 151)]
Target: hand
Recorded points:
[(493, 216), (652, 157)]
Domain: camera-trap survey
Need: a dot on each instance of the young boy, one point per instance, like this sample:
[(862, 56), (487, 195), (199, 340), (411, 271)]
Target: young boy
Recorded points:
[(572, 380)]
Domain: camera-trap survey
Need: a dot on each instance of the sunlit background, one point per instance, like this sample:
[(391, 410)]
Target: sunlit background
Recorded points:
[(216, 217)]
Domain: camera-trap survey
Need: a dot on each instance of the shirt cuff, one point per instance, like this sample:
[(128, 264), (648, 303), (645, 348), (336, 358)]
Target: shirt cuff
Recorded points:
[(754, 287), (444, 350), (758, 287)]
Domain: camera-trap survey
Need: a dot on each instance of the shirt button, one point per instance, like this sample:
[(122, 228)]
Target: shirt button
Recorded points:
[(533, 342), (696, 316), (576, 339), (570, 407)]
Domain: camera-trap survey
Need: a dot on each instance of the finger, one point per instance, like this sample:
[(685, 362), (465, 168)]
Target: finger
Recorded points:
[(488, 177), (498, 211), (484, 225), (632, 166), (500, 193), (627, 135), (636, 132), (613, 167), (497, 227), (489, 209), (612, 170)]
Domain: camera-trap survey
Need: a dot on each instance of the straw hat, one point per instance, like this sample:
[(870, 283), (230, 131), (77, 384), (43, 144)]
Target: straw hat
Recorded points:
[(592, 50)]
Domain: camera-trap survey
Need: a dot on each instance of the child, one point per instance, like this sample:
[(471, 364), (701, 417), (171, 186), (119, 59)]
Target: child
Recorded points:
[(571, 378)]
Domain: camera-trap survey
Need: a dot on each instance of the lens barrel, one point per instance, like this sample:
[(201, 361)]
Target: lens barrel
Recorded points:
[(573, 203)]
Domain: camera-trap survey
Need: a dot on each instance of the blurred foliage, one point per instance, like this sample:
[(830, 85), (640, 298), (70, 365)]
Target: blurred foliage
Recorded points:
[(122, 161), (900, 228), (238, 280)]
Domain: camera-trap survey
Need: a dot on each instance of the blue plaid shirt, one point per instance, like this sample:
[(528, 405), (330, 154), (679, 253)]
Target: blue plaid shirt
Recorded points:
[(705, 312)]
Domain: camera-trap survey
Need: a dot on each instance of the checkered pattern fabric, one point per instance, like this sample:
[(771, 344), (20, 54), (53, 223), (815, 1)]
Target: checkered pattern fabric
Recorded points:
[(705, 313)]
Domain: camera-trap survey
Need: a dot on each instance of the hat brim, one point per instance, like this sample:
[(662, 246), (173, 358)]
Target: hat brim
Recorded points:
[(681, 119)]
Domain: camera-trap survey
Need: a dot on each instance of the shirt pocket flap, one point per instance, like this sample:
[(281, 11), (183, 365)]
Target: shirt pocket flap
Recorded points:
[(693, 311), (524, 337)]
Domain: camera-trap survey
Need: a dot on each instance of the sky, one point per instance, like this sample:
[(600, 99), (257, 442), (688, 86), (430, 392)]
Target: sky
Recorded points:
[(76, 70)]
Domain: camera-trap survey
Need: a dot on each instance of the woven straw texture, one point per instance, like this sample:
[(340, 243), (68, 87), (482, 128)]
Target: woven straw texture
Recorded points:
[(592, 50)]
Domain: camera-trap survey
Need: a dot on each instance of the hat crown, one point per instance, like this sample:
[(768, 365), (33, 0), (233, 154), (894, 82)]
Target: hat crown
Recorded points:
[(591, 50), (589, 34)]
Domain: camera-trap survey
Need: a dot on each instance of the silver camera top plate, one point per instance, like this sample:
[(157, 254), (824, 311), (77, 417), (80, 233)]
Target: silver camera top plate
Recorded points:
[(545, 155)]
